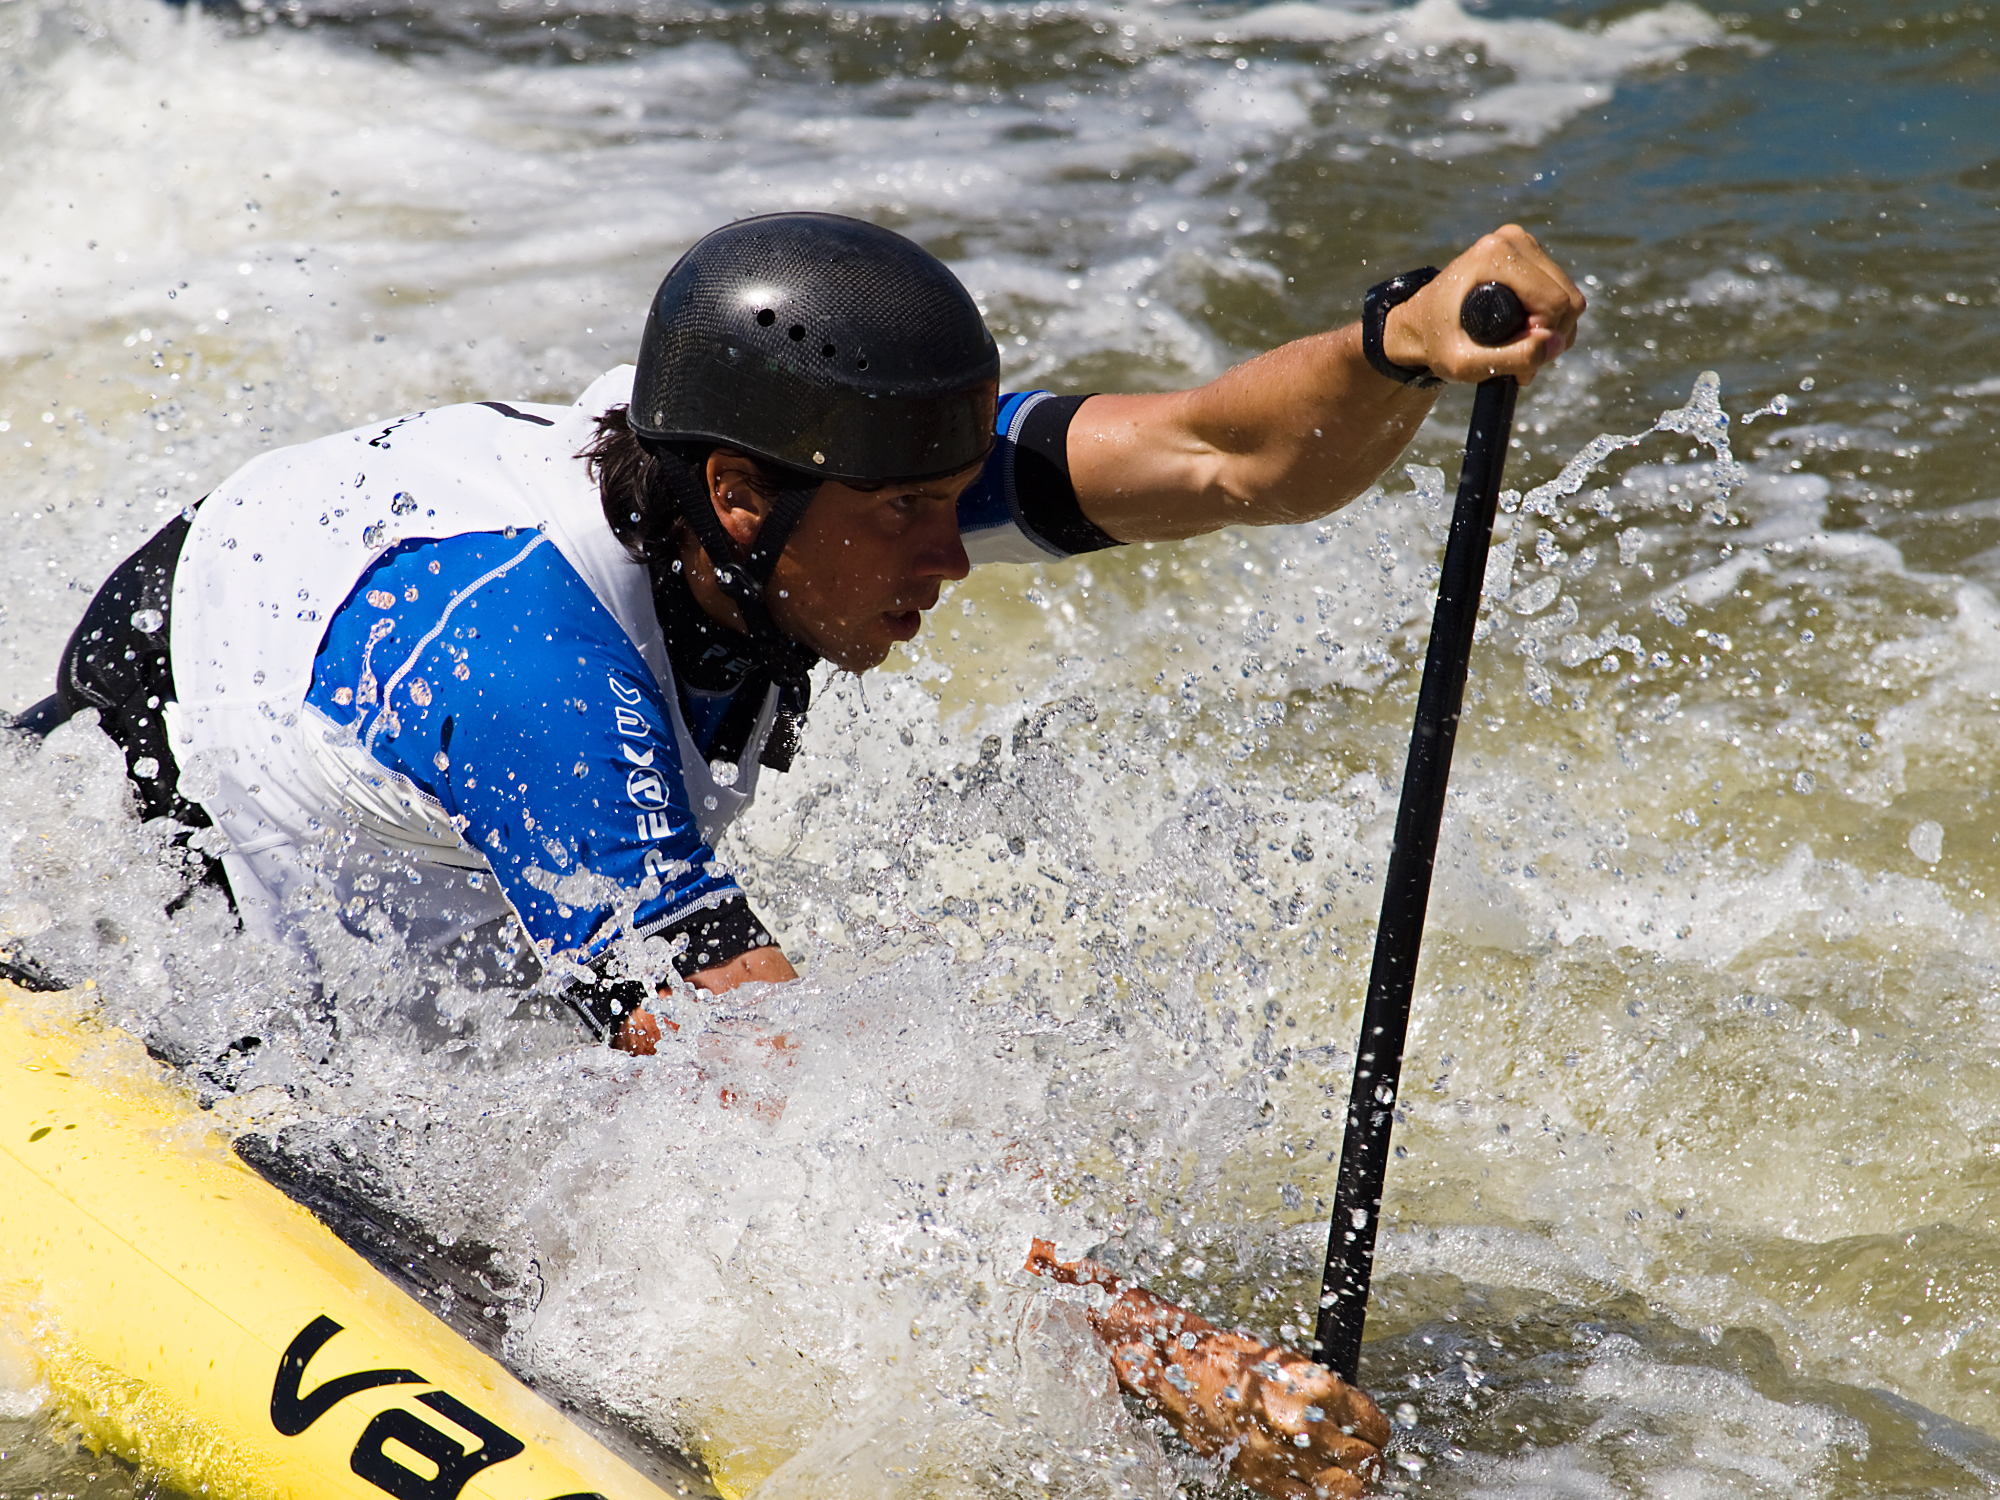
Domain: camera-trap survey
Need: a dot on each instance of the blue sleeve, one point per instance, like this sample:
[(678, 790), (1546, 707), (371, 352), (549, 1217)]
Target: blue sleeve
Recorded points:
[(989, 519), (1023, 507), (483, 670)]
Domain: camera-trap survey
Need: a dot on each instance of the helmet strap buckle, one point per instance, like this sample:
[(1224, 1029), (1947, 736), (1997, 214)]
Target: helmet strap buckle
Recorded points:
[(739, 575)]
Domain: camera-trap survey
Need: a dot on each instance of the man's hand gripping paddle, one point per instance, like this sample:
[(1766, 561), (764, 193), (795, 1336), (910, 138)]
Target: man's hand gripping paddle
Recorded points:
[(1491, 315)]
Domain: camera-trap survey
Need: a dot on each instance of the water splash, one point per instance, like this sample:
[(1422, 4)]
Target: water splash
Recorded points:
[(1701, 417)]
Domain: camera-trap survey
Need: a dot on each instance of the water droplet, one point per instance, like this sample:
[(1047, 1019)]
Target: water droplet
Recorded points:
[(1927, 841), (146, 768), (148, 621), (373, 536), (403, 503), (1538, 596), (1804, 783)]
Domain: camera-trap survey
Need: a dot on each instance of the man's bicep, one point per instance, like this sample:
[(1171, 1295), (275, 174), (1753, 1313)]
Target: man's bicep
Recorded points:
[(1140, 470), (753, 966)]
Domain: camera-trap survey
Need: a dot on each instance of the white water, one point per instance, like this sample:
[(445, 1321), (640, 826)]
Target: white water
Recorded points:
[(1699, 1143)]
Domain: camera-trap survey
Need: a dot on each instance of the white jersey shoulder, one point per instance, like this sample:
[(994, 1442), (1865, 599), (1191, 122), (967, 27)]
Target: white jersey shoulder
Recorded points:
[(278, 547)]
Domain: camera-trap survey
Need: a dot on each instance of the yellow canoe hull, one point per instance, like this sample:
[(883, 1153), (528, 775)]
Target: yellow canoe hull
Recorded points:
[(192, 1319)]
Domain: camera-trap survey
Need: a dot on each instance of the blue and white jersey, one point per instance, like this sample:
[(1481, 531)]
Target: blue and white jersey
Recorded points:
[(418, 676), (482, 672)]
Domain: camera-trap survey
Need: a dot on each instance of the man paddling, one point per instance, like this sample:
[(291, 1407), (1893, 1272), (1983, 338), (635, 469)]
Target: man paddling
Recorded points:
[(495, 677)]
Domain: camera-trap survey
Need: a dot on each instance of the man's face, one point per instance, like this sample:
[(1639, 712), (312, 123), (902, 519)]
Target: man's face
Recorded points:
[(864, 564)]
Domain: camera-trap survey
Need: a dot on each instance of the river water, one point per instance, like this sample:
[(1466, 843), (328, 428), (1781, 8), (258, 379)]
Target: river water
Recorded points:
[(1697, 1181)]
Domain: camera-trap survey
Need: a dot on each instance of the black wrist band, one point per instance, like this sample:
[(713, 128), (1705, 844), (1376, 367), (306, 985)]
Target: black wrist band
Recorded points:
[(1375, 308), (605, 1005)]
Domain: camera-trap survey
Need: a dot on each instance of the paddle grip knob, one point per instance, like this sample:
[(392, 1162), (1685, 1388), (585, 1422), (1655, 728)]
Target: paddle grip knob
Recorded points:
[(1492, 315)]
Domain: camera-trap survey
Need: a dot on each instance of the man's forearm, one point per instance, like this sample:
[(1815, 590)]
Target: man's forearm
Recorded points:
[(1291, 1428), (640, 1034), (1287, 436), (1303, 429)]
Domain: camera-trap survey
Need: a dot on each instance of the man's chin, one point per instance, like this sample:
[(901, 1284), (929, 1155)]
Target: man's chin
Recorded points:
[(861, 657), (870, 646), (904, 625)]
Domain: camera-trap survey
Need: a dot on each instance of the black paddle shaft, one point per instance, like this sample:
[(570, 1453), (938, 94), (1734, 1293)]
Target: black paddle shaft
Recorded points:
[(1491, 315)]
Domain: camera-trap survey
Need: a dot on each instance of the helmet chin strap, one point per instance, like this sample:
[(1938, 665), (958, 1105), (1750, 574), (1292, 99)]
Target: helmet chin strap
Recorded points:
[(745, 579)]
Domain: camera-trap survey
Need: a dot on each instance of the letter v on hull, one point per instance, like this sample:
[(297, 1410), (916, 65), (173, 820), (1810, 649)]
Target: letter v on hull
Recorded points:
[(188, 1315)]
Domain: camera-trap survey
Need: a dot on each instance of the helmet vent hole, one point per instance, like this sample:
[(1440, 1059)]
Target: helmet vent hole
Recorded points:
[(797, 331), (827, 351), (860, 361), (766, 318)]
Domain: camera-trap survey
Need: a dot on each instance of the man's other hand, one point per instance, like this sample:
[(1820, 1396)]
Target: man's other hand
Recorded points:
[(1425, 331), (640, 1034), (1289, 1427)]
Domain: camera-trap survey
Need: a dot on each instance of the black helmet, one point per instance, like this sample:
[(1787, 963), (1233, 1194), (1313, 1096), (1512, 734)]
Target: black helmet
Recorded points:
[(820, 344)]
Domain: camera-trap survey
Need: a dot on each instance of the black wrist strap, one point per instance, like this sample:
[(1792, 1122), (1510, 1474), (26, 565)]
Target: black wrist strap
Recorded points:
[(1375, 309)]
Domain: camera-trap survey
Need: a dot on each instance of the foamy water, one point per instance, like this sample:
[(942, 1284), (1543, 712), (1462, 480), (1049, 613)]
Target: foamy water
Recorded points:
[(1700, 1145)]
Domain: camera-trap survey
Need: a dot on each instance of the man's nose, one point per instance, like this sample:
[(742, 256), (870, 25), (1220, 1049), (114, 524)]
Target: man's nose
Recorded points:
[(942, 551)]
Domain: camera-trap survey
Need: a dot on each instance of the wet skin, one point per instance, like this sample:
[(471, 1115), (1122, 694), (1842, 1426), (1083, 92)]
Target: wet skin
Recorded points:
[(1289, 1427), (860, 570), (853, 582), (1289, 435)]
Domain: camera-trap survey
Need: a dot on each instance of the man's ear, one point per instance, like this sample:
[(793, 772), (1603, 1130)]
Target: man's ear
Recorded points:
[(733, 482)]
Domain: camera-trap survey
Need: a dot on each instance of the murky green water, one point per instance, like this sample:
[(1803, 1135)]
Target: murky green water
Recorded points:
[(1702, 1147)]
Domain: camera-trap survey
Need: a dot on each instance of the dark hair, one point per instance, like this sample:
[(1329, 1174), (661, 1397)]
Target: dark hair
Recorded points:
[(636, 489), (638, 506)]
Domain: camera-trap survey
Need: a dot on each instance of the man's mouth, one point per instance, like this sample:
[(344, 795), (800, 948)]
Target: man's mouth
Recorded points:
[(904, 624)]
